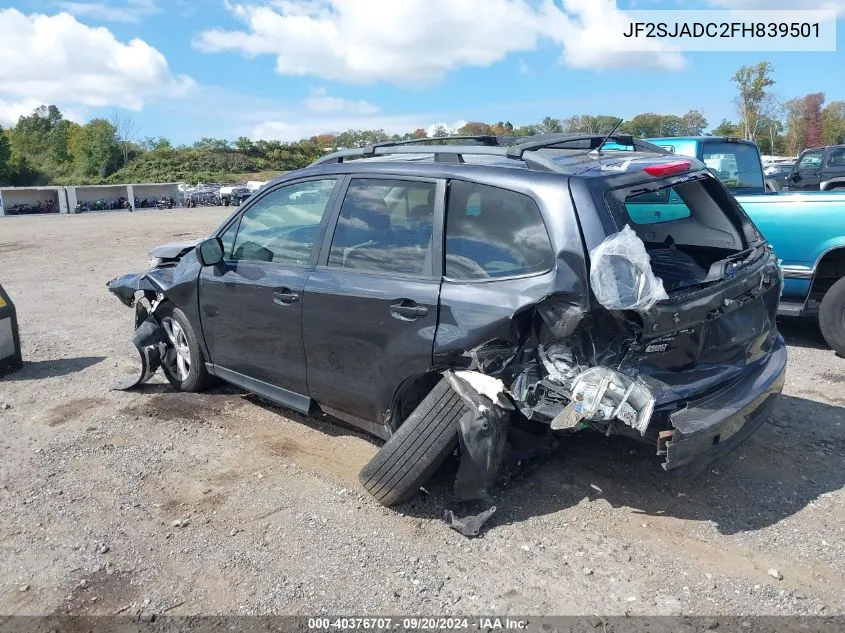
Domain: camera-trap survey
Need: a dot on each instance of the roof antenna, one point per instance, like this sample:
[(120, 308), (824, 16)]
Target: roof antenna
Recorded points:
[(606, 138)]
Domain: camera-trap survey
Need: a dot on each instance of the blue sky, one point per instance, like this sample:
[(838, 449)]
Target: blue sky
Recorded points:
[(291, 68)]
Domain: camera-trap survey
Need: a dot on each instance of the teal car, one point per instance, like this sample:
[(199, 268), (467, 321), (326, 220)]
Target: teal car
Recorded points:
[(806, 229)]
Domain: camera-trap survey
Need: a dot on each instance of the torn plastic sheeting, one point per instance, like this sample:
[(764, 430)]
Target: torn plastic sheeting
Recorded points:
[(560, 362), (621, 276), (601, 394)]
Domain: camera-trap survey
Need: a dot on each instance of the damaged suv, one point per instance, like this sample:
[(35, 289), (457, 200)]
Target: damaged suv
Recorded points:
[(478, 292)]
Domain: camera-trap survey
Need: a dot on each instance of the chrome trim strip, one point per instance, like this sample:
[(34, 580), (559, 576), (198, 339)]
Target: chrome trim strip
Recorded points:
[(797, 272)]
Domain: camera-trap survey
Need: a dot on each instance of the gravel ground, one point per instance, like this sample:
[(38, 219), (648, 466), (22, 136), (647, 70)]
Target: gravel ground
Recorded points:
[(160, 502)]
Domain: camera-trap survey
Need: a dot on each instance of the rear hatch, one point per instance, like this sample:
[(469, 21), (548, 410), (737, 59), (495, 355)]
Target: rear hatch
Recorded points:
[(721, 278)]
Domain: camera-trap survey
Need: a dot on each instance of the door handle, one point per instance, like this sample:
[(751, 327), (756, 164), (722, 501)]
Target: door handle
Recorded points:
[(285, 297), (407, 310)]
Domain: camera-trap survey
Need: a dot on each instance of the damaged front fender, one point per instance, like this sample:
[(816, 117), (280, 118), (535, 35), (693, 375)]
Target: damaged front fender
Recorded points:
[(127, 287)]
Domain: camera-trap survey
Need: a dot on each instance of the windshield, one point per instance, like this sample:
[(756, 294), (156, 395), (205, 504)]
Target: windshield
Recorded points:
[(737, 165)]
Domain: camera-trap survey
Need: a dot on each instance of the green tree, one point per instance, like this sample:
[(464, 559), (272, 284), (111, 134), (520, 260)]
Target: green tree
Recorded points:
[(5, 157), (152, 144), (550, 125), (439, 131), (692, 123), (751, 83), (650, 125), (97, 149), (726, 128), (212, 144)]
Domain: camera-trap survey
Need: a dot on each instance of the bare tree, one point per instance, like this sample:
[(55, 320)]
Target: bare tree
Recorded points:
[(125, 128)]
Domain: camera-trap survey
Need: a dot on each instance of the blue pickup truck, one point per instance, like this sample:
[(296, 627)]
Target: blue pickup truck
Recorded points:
[(806, 229)]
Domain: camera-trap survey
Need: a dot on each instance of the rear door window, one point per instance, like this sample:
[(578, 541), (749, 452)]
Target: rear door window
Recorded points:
[(494, 233), (385, 226), (837, 157)]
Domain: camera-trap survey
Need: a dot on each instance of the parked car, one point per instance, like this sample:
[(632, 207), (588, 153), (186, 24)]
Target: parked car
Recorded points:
[(806, 230), (233, 195), (819, 169), (780, 174), (480, 297)]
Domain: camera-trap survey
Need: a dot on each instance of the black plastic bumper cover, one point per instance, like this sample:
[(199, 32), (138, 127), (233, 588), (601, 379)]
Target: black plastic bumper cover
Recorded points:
[(711, 427), (10, 342)]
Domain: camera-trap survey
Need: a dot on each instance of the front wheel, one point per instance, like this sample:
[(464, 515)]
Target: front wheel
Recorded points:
[(832, 317), (184, 362)]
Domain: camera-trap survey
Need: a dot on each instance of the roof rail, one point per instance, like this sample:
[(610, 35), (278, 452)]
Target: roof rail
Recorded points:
[(514, 148), (596, 141)]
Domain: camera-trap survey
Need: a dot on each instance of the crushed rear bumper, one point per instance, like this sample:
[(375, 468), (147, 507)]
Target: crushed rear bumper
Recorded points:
[(708, 428)]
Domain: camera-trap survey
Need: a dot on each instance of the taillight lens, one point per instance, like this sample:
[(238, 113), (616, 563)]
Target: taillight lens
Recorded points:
[(668, 169)]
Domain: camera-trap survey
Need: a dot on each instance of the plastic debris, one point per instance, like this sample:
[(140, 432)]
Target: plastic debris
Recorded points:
[(468, 525), (621, 276)]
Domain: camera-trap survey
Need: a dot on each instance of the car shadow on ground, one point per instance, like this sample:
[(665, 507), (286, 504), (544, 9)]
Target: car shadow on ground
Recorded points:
[(37, 370), (791, 461), (802, 332)]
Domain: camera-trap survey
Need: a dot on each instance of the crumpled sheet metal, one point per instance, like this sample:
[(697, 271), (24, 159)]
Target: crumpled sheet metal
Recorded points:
[(621, 275)]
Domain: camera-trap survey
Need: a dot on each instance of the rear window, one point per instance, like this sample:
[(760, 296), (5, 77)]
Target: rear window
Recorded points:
[(737, 165), (697, 212)]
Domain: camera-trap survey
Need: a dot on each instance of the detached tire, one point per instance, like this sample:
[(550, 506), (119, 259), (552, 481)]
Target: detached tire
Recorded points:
[(184, 363), (832, 317), (417, 449)]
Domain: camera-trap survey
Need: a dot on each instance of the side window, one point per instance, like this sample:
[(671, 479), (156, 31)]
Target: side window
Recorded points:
[(837, 157), (385, 225), (228, 238), (811, 160), (282, 226), (492, 232)]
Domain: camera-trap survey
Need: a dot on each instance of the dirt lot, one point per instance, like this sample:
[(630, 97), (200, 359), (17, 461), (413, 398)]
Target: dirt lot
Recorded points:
[(216, 503)]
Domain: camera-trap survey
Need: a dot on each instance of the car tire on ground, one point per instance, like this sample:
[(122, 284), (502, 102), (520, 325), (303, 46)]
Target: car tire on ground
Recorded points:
[(832, 317), (184, 365), (417, 449)]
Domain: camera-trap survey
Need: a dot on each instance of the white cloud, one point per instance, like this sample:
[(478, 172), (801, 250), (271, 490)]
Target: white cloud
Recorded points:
[(785, 5), (589, 29), (322, 103), (419, 41), (114, 11), (56, 59)]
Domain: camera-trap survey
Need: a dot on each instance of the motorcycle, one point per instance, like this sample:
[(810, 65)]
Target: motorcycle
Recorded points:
[(165, 203)]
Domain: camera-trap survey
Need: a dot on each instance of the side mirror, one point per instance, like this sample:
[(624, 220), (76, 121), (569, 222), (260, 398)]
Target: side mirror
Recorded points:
[(210, 252), (795, 176)]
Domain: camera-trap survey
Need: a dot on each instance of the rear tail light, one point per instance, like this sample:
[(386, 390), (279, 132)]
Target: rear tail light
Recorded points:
[(668, 169)]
